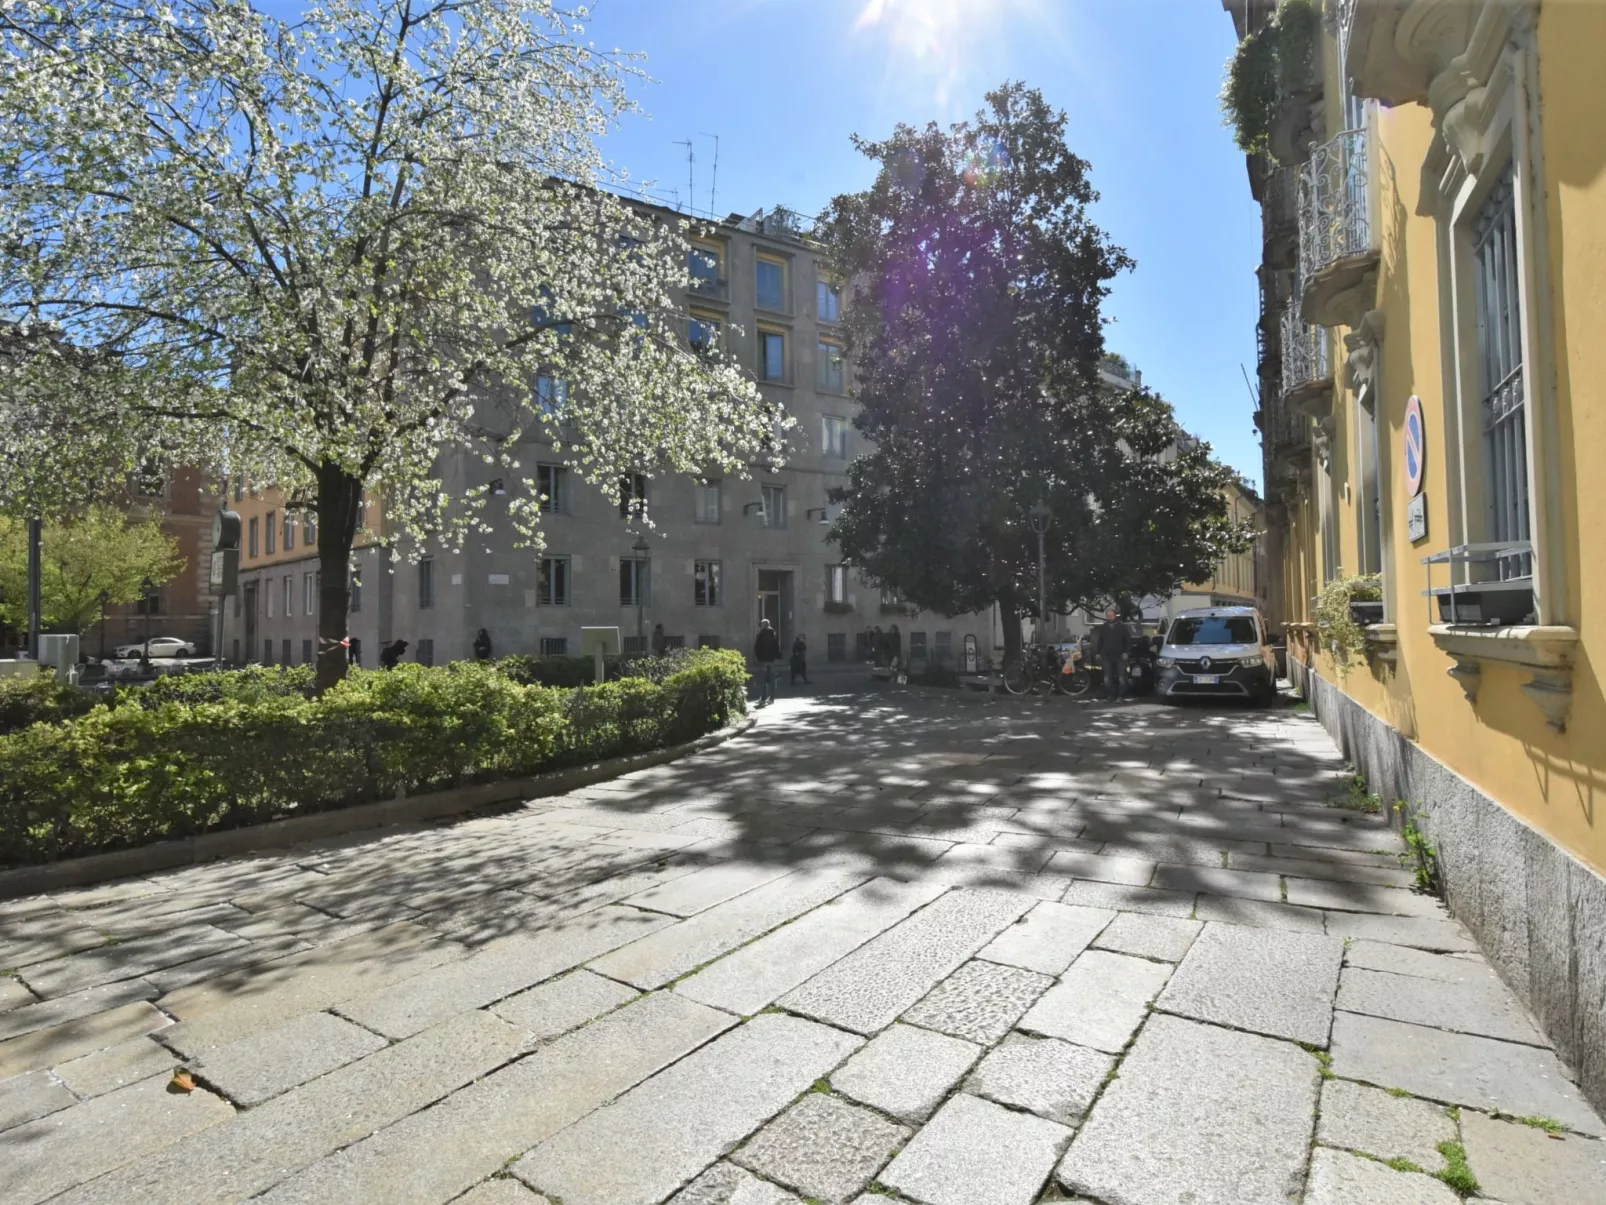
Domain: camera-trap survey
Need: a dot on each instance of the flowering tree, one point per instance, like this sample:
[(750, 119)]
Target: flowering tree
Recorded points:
[(323, 252)]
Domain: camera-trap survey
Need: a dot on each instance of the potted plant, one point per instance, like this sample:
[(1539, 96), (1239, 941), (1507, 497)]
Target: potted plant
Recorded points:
[(1343, 611), (1271, 68)]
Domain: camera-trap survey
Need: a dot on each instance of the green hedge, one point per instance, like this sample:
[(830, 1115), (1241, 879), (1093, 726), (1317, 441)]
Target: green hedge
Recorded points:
[(117, 777), (39, 699)]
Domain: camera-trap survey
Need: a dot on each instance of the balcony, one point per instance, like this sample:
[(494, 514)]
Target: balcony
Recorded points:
[(1307, 373), (714, 288), (1337, 258), (1279, 220)]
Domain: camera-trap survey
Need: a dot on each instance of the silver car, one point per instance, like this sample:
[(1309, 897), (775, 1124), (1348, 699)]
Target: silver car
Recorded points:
[(161, 646)]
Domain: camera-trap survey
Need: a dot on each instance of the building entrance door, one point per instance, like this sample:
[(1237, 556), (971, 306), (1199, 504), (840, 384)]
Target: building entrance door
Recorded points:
[(775, 602), (248, 605)]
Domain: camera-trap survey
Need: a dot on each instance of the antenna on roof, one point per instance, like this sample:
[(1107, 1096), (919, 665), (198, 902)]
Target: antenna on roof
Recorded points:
[(713, 188), (691, 179)]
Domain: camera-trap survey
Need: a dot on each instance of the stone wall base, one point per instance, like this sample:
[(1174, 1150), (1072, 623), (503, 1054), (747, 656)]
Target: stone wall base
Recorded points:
[(1538, 912)]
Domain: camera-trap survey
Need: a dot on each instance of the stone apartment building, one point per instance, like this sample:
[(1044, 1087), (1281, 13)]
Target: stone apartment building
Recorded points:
[(719, 557)]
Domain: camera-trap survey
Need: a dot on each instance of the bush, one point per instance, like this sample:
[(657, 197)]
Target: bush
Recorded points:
[(249, 684), (1340, 635), (1268, 67), (254, 748), (40, 699)]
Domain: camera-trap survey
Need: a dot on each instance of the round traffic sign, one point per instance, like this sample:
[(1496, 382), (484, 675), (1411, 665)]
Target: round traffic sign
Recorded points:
[(1415, 446)]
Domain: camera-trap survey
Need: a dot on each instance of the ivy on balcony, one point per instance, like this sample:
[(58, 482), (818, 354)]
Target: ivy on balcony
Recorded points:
[(1269, 66)]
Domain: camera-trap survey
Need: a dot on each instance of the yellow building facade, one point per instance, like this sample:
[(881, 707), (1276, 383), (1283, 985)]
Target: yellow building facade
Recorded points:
[(1433, 338)]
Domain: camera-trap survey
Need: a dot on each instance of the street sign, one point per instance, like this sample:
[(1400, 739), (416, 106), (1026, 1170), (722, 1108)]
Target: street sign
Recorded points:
[(1416, 446), (1416, 518)]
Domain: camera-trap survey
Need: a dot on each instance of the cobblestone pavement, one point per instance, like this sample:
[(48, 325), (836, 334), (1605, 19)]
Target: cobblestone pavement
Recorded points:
[(905, 945)]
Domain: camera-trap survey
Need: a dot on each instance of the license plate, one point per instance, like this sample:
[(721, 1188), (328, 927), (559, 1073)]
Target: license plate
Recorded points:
[(1206, 679)]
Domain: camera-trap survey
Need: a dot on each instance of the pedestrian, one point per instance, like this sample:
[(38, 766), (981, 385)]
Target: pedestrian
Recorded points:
[(353, 650), (895, 648), (767, 651), (878, 647), (1112, 639), (660, 642), (482, 646), (392, 653), (800, 660)]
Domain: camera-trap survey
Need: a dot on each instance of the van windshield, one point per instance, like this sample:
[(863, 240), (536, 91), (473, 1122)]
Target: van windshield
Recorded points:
[(1213, 629)]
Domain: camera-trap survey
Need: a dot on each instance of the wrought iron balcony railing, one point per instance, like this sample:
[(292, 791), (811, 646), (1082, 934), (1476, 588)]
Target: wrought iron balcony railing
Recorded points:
[(1304, 354), (1334, 215)]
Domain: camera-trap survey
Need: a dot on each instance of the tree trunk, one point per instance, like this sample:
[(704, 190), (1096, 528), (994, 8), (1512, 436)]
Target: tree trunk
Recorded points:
[(1009, 616), (339, 498)]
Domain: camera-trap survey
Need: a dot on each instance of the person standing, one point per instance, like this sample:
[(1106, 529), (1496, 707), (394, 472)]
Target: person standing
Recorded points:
[(800, 660), (766, 651), (895, 648), (660, 641), (1112, 640), (878, 647), (482, 646)]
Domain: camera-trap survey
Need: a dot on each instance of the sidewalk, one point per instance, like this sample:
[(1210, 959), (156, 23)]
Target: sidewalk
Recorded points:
[(945, 948)]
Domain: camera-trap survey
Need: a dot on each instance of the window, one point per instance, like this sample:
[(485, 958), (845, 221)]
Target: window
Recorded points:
[(552, 395), (542, 315), (707, 588), (267, 652), (708, 642), (702, 332), (309, 529), (829, 302), (771, 283), (289, 531), (632, 582), (633, 495), (917, 646), (309, 595), (426, 584), (356, 593), (554, 646), (1213, 629), (834, 437), (271, 526), (1505, 436), (552, 583), (306, 652), (289, 595), (836, 646), (945, 646), (633, 645), (836, 583), (426, 652), (150, 480), (831, 377), (708, 501), (284, 650), (771, 355), (774, 505), (234, 650), (252, 538), (268, 593), (149, 604), (704, 263), (552, 480)]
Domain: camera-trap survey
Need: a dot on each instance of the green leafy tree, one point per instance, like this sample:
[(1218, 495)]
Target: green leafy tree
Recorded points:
[(98, 551), (975, 331), (325, 251)]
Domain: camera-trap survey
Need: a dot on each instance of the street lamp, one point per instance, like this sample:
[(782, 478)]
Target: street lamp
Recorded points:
[(105, 597), (1039, 517), (641, 548), (147, 590)]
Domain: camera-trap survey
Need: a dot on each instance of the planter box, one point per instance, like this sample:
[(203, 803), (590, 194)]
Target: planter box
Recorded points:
[(1366, 613), (1494, 603)]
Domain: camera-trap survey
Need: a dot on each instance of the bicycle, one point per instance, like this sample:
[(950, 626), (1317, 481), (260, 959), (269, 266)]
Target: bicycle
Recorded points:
[(1039, 665)]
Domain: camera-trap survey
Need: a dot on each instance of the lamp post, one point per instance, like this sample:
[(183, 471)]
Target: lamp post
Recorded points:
[(641, 548), (105, 597), (147, 590), (1040, 516)]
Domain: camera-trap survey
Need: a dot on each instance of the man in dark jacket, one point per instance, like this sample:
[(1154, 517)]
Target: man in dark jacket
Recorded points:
[(767, 651), (1111, 640)]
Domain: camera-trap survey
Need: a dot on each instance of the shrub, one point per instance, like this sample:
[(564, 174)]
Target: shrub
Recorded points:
[(176, 767), (40, 699), (248, 684), (1341, 636), (1268, 67)]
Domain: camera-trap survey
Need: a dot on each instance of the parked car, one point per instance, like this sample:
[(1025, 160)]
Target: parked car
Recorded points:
[(161, 646), (1217, 651)]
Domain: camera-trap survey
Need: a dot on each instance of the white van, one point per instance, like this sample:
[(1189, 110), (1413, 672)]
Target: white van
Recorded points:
[(1217, 651)]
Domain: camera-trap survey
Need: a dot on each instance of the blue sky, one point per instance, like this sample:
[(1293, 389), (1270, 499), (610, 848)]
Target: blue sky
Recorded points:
[(785, 82)]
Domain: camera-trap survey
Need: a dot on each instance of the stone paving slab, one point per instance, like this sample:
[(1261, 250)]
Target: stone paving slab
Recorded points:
[(1361, 1118), (562, 1004), (1263, 980), (1166, 938), (476, 1130), (979, 1002), (823, 1147), (1478, 1004), (974, 1152), (115, 1067), (26, 943), (82, 1035), (265, 1064), (870, 987), (13, 994), (126, 960), (1407, 960), (1526, 1166), (727, 1184), (1459, 1069), (1201, 1115), (262, 1146), (1086, 894), (668, 953), (1133, 872), (906, 1071), (1424, 934), (46, 1156), (693, 893), (1326, 868), (25, 1097), (1339, 1178), (754, 976), (1045, 1076), (660, 1134), (1048, 938), (499, 1192), (1099, 1002), (49, 1013), (1240, 884), (1362, 897), (497, 969)]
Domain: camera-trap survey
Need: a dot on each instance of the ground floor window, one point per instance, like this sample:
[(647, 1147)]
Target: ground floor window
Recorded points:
[(426, 652), (708, 642), (306, 652), (917, 646), (836, 646), (554, 646), (945, 646)]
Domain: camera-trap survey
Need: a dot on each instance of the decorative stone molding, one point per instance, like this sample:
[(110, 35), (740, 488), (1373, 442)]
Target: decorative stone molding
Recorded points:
[(1547, 652), (1383, 642), (1361, 346)]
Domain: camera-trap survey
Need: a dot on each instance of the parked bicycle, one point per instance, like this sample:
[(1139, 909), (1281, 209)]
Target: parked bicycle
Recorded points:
[(1041, 667)]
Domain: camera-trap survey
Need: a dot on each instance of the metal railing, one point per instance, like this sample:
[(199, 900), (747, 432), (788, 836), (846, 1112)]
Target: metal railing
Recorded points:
[(1304, 352), (1334, 216)]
